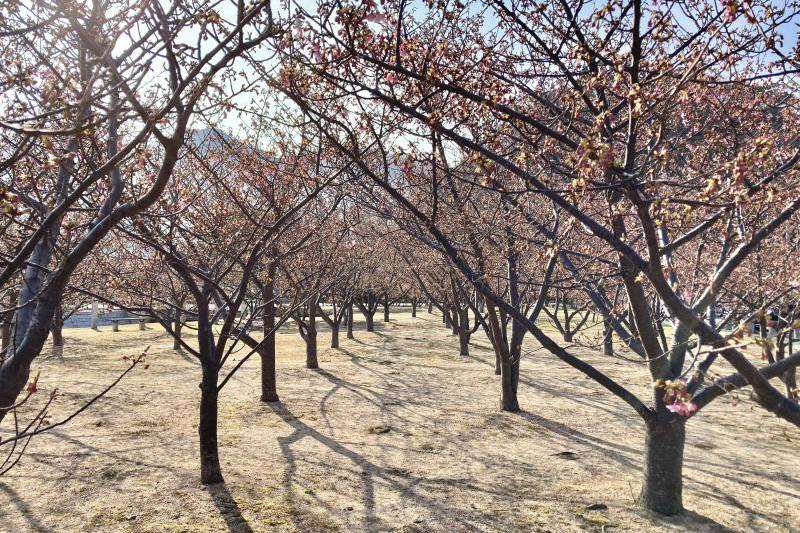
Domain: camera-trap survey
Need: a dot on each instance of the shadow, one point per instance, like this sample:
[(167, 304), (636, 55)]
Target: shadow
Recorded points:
[(301, 430), (189, 358), (617, 452), (447, 473), (557, 387), (23, 508), (228, 508), (370, 474), (689, 521)]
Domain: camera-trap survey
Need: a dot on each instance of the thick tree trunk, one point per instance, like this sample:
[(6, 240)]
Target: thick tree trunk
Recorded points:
[(790, 382), (350, 321), (57, 327), (311, 339), (177, 326), (335, 336), (430, 308), (413, 309), (311, 351), (663, 465), (57, 330), (463, 332), (632, 322), (764, 333), (370, 322), (509, 372), (463, 343), (789, 377), (454, 322), (7, 319), (95, 320), (269, 385), (498, 343), (210, 470), (608, 338), (5, 331), (386, 310), (14, 378), (509, 375), (36, 299), (567, 336)]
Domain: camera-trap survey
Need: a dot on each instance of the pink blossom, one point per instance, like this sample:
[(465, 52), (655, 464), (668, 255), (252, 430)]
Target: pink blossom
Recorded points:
[(316, 51), (682, 409), (376, 17), (298, 29), (391, 78)]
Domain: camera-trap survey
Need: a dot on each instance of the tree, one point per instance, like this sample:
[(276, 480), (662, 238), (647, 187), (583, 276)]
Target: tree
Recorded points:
[(96, 130), (649, 131), (211, 232)]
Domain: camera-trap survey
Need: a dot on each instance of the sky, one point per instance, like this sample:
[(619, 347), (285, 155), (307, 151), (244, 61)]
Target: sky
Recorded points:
[(227, 9)]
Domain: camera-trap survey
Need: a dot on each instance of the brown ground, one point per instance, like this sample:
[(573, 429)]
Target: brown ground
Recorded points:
[(323, 459)]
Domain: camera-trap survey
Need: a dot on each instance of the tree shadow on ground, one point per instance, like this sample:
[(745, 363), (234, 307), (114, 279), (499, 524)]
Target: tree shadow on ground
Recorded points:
[(619, 453), (689, 521), (228, 508), (302, 430), (371, 474), (22, 508)]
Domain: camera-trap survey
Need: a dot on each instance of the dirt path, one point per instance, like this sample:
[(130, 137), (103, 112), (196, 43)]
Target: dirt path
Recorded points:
[(395, 433)]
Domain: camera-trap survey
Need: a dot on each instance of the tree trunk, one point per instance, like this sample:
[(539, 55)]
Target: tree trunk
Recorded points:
[(57, 327), (210, 470), (386, 310), (789, 377), (632, 322), (454, 322), (663, 465), (335, 336), (269, 385), (177, 326), (567, 336), (95, 314), (413, 309), (6, 330), (350, 320), (311, 339), (493, 331), (369, 318), (790, 382), (608, 338), (7, 319), (463, 343), (509, 375), (57, 330), (463, 333), (430, 308), (763, 332)]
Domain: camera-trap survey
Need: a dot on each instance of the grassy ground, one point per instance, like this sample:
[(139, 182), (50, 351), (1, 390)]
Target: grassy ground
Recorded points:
[(396, 432)]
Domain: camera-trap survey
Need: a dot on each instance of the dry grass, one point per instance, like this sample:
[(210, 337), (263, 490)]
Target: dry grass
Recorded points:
[(395, 433)]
